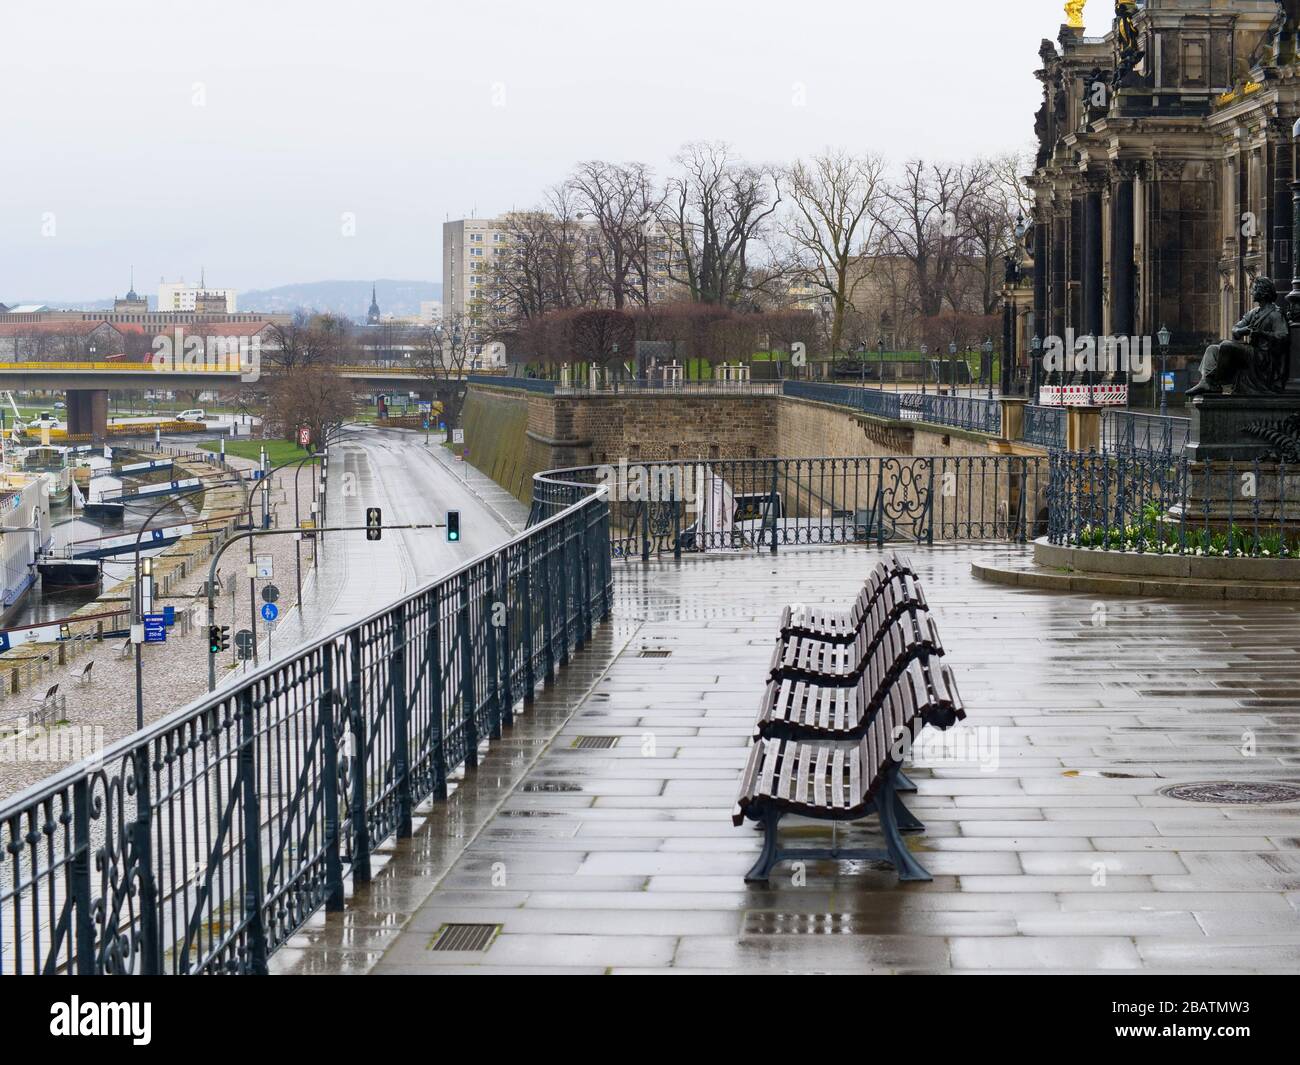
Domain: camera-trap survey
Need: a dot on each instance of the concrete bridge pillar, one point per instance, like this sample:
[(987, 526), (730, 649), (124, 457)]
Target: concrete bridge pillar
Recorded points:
[(88, 412)]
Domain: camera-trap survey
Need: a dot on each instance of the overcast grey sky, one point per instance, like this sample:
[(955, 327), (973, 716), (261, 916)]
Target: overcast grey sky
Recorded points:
[(236, 135)]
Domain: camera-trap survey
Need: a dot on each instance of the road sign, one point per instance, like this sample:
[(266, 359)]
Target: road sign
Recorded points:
[(244, 643), (169, 616), (1169, 382), (458, 436), (374, 523), (155, 628), (270, 612), (270, 594), (304, 438), (265, 567), (426, 423)]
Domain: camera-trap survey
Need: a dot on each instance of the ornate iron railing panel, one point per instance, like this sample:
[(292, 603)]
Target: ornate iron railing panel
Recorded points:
[(739, 504), (1044, 426), (1135, 432), (203, 842), (973, 413)]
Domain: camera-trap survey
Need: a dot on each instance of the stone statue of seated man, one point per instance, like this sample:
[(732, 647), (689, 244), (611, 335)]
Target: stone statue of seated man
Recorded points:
[(1256, 360)]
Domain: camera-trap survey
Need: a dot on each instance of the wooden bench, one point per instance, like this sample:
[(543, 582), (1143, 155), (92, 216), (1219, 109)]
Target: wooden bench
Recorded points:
[(831, 782), (880, 655), (794, 709), (83, 675), (842, 626)]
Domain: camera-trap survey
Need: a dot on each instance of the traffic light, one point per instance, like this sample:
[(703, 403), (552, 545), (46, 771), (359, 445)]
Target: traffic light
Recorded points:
[(453, 526), (374, 523), (218, 639)]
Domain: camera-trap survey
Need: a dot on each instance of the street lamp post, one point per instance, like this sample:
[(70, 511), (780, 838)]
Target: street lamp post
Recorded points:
[(952, 368), (1036, 353), (988, 361), (925, 365), (881, 348), (1163, 337)]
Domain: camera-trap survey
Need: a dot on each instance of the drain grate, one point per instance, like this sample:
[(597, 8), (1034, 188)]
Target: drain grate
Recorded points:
[(474, 937), (593, 743), (766, 923), (551, 786), (1235, 793), (655, 654)]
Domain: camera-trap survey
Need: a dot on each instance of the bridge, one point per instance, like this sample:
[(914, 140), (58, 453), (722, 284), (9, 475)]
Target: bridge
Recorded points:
[(529, 762)]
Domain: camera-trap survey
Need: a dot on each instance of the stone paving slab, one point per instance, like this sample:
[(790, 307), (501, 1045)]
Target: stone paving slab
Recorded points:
[(1060, 857)]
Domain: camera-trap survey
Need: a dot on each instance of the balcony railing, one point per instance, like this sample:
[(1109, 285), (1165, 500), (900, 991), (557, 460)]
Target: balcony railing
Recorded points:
[(203, 842)]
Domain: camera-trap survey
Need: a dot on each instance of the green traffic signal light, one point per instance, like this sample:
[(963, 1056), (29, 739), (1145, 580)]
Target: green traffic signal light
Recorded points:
[(214, 640), (453, 526)]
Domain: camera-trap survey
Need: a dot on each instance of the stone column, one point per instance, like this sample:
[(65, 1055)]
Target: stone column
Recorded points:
[(1093, 272), (1123, 317)]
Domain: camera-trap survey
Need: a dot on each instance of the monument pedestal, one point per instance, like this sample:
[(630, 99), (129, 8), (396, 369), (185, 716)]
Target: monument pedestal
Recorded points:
[(1263, 497), (1218, 431)]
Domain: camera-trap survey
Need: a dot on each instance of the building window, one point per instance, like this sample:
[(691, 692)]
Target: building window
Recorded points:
[(1193, 62)]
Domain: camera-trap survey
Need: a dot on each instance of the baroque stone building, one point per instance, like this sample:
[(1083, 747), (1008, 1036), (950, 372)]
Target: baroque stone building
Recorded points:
[(1163, 173)]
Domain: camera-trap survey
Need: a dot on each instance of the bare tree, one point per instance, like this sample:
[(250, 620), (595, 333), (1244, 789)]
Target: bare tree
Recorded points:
[(835, 198), (621, 200), (309, 340), (442, 356), (715, 212), (311, 396), (921, 221)]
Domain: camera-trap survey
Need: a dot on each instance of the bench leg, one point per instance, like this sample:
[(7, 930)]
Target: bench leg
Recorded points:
[(905, 783), (768, 857), (905, 864), (907, 821)]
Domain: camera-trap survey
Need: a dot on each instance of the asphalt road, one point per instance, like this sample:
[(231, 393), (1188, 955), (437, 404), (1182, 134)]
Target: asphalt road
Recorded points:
[(412, 484)]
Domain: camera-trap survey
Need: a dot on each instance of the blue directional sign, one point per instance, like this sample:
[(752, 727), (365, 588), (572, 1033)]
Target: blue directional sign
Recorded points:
[(155, 628), (270, 612), (169, 616)]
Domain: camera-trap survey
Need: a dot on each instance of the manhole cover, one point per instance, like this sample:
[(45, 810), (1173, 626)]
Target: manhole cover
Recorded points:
[(1235, 792)]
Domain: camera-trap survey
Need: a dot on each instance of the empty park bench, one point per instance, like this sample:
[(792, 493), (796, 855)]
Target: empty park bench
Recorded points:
[(82, 676), (798, 710), (834, 751), (831, 782), (43, 713), (894, 583), (876, 656)]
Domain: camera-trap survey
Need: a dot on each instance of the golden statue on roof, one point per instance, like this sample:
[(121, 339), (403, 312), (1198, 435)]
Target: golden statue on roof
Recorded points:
[(1074, 13)]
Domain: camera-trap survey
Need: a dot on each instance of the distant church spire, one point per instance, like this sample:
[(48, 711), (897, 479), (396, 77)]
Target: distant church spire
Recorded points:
[(372, 316), (131, 291)]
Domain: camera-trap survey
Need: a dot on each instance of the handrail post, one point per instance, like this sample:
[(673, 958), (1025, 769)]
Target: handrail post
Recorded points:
[(548, 610), (401, 722), (248, 800), (526, 607), (81, 897), (434, 672), (505, 647), (142, 842), (493, 672), (467, 695), (329, 746), (566, 549), (357, 726)]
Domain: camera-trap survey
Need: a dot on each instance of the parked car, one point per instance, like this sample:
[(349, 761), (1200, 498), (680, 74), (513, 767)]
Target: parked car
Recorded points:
[(197, 414)]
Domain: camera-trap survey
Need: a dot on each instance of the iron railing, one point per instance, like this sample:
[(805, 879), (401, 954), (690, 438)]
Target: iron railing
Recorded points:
[(1135, 432), (202, 843), (1161, 504), (766, 504), (973, 413), (865, 400), (1044, 426)]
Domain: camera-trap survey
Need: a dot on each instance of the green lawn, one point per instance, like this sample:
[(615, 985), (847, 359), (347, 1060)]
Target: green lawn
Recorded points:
[(278, 452)]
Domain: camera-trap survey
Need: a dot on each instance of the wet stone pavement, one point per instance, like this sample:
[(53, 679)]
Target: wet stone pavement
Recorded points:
[(1051, 845)]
